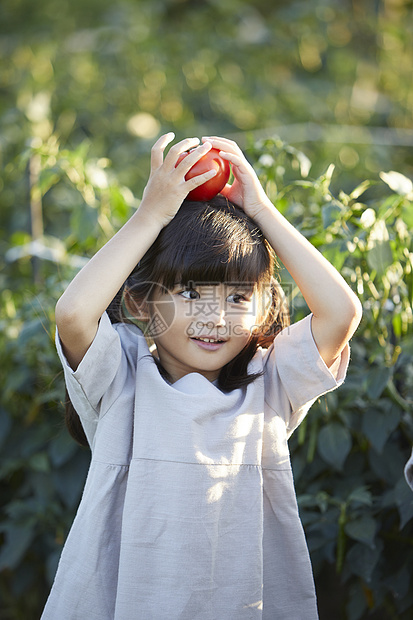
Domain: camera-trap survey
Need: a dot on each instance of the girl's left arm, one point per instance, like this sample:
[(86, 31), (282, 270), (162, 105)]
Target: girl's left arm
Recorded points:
[(336, 309)]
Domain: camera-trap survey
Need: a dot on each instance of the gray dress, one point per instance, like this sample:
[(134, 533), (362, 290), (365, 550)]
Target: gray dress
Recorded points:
[(408, 471), (189, 509)]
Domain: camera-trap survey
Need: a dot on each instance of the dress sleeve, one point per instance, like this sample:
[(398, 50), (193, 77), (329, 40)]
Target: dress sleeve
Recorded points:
[(408, 471), (296, 375), (101, 375)]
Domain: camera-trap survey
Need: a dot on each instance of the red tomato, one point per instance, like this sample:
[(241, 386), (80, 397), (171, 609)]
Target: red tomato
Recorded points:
[(211, 188)]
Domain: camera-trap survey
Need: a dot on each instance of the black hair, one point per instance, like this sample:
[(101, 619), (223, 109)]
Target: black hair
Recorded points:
[(206, 242)]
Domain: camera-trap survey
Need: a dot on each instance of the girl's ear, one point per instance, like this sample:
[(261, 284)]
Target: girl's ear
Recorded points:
[(276, 315), (137, 309)]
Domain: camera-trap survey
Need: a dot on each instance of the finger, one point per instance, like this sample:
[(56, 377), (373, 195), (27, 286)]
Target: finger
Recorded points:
[(195, 155), (199, 180), (158, 149), (222, 143), (177, 149), (236, 160), (225, 191)]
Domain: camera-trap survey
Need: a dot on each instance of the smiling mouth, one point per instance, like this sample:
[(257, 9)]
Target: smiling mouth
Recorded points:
[(209, 340), (209, 344)]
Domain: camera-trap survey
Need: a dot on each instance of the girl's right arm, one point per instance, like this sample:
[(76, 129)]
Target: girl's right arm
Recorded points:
[(79, 309)]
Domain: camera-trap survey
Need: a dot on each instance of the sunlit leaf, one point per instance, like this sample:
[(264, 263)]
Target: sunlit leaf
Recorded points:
[(47, 179), (360, 189), (96, 65), (335, 254), (305, 163), (368, 218), (84, 222), (379, 254), (397, 182), (380, 257)]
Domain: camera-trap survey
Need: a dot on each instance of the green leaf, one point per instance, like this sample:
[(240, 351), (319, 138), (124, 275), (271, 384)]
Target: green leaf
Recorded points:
[(334, 444), (40, 462), (30, 330), (377, 379), (399, 583), (61, 449), (48, 178), (118, 204), (380, 257), (379, 422), (362, 559), (407, 214), (84, 222), (330, 213), (404, 501), (325, 179), (70, 478), (51, 565), (335, 253), (5, 424), (17, 541), (357, 603), (387, 466), (362, 529), (361, 495)]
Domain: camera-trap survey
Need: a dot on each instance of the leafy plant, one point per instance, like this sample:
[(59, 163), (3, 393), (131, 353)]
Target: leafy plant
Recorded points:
[(85, 84), (42, 470), (348, 455)]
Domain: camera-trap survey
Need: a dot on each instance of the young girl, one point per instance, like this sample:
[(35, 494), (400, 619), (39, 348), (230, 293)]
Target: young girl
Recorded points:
[(189, 510)]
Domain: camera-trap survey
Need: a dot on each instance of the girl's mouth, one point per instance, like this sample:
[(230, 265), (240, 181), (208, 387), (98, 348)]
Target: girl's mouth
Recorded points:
[(209, 344)]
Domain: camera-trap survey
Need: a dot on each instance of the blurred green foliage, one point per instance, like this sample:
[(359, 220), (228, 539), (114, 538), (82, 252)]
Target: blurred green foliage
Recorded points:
[(86, 87), (348, 455)]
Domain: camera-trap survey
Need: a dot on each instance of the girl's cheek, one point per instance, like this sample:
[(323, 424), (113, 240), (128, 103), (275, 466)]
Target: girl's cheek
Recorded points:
[(249, 321), (164, 311)]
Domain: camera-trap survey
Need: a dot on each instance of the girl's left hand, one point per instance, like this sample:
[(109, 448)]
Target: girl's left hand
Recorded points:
[(246, 191)]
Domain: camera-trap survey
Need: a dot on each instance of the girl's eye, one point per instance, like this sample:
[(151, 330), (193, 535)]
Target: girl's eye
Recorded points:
[(237, 298), (189, 293)]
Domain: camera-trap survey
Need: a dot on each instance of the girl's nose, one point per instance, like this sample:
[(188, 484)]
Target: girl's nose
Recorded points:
[(220, 318), (215, 319)]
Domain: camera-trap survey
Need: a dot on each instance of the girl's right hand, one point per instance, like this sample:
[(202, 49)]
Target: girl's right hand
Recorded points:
[(167, 188)]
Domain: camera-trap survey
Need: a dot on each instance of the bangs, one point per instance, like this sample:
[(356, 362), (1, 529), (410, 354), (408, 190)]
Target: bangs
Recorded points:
[(209, 243)]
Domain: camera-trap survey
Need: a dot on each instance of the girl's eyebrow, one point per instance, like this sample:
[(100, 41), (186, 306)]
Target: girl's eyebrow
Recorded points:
[(245, 287), (184, 285)]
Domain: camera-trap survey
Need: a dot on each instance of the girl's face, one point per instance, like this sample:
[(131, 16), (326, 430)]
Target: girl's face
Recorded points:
[(200, 328)]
